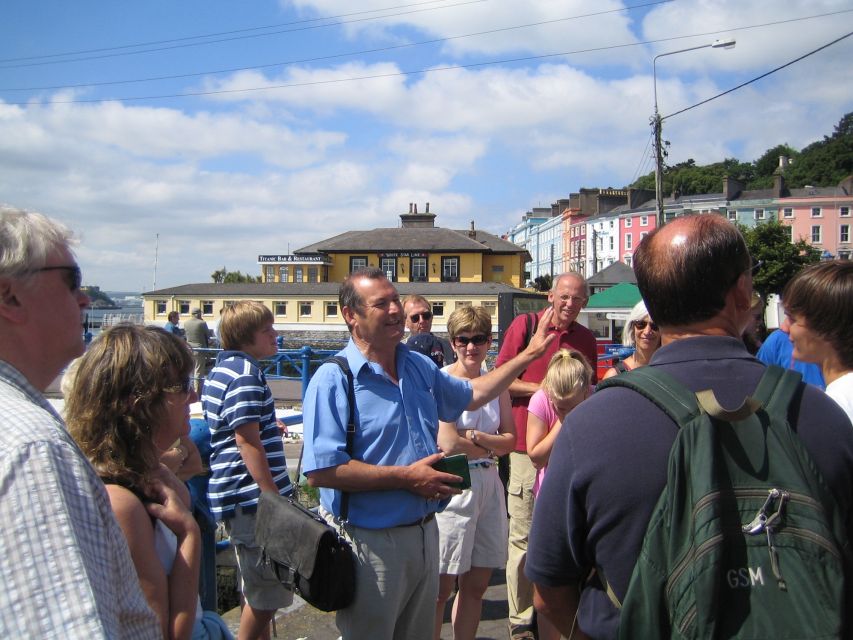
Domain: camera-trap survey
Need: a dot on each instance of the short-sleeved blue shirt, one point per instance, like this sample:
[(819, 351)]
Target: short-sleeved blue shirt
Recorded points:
[(236, 393), (396, 424)]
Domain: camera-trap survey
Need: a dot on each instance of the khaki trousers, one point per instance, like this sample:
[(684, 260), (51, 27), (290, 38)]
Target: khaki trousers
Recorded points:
[(522, 475)]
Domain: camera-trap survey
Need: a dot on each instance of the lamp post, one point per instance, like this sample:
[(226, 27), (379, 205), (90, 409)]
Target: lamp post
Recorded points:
[(657, 121)]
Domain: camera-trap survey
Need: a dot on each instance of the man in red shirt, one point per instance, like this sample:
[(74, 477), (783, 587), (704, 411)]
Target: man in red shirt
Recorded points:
[(569, 294)]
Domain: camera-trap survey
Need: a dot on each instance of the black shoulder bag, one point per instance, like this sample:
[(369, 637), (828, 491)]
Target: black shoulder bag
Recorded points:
[(308, 555)]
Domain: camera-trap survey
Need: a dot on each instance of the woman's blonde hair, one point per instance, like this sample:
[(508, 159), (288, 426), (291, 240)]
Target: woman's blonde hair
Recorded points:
[(240, 321), (469, 318), (118, 399), (568, 372)]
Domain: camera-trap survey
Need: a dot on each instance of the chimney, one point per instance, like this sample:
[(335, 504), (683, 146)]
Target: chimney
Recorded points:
[(427, 207), (783, 162), (410, 208), (731, 188), (416, 208), (471, 232), (779, 188)]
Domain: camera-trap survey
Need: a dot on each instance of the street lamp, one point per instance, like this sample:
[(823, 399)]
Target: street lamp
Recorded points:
[(657, 121)]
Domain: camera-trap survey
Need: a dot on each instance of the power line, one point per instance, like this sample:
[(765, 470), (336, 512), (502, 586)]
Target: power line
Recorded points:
[(644, 158), (232, 38), (187, 94), (222, 33), (763, 75), (334, 56)]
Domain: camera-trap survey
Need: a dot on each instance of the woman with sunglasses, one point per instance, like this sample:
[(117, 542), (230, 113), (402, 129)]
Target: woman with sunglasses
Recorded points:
[(642, 334), (128, 404), (473, 527)]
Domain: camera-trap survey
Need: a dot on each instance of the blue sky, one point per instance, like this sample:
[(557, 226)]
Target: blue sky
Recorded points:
[(496, 123)]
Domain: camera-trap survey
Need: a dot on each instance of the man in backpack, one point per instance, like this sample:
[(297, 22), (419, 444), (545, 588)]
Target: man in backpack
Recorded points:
[(609, 463)]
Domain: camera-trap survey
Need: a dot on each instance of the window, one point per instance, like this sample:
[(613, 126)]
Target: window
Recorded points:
[(844, 236), (844, 212), (160, 306), (628, 222), (816, 212), (492, 308), (497, 268), (629, 242), (628, 260), (450, 269), (644, 221), (732, 215), (282, 274), (438, 309), (643, 235), (269, 273), (304, 309), (297, 274), (418, 269), (759, 214), (357, 262), (611, 243), (463, 303), (279, 308), (331, 309), (816, 233), (789, 233), (611, 223), (312, 274), (389, 268), (184, 307), (207, 307), (787, 212)]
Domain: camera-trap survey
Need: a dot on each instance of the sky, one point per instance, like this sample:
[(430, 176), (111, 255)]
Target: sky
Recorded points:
[(199, 134)]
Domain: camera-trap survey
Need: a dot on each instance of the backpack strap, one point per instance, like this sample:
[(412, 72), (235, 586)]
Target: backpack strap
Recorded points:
[(776, 389), (344, 365), (531, 323), (657, 386)]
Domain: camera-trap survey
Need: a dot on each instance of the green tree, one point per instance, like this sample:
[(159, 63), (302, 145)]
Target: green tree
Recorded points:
[(781, 259), (223, 275)]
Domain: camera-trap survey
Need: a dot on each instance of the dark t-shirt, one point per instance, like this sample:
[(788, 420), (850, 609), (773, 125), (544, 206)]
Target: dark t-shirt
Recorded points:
[(609, 462)]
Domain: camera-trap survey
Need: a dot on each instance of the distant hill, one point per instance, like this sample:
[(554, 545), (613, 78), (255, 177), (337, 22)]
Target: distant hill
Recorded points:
[(824, 163)]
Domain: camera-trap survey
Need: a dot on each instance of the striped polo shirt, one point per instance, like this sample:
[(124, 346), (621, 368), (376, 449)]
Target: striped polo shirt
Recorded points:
[(236, 393)]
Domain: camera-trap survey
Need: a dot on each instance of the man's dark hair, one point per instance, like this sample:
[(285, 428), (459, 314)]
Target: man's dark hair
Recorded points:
[(688, 282), (822, 295), (348, 296)]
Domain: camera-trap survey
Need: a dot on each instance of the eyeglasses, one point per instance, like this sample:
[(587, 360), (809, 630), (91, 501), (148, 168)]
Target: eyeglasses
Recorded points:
[(184, 387), (478, 340), (73, 275), (416, 317), (641, 325)]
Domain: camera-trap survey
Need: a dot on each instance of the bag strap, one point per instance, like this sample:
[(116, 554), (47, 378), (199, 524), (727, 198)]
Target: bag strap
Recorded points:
[(669, 395), (776, 389), (344, 365)]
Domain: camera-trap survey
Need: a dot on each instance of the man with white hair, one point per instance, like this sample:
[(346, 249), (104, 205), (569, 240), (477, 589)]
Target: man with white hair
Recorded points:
[(66, 570)]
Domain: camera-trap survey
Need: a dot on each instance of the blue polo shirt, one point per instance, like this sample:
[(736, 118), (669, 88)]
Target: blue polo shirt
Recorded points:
[(396, 424), (236, 393)]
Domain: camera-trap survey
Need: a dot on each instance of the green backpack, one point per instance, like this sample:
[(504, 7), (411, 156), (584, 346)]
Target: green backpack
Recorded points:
[(746, 540)]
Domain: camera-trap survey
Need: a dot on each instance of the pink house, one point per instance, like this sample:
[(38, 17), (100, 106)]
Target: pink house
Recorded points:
[(821, 216)]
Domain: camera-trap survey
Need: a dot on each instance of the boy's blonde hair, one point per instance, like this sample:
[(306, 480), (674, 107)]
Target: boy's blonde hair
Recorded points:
[(568, 372), (240, 321)]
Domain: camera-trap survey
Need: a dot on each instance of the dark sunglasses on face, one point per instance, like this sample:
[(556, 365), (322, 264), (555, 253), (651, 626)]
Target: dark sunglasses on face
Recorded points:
[(478, 340), (641, 325), (416, 317), (73, 275)]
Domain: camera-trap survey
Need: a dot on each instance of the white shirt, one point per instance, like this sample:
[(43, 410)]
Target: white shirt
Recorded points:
[(841, 390), (65, 571)]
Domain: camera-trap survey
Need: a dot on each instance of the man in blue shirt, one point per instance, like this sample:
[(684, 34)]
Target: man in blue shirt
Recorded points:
[(778, 349), (393, 490), (247, 454)]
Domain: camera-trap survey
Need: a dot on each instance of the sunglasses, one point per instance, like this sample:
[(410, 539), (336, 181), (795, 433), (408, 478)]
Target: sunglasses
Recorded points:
[(478, 340), (416, 317), (184, 387), (73, 275), (641, 325)]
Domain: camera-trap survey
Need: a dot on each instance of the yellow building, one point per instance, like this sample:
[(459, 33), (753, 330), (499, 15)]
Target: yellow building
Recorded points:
[(451, 268)]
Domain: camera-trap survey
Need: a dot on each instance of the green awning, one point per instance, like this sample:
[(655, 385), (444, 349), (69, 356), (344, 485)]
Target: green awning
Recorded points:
[(620, 296)]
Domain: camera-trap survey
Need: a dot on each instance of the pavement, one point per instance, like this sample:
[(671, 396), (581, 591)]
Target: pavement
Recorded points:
[(301, 621)]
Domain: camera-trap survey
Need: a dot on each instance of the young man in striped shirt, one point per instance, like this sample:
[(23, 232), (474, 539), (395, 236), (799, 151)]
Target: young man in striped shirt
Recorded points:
[(247, 453)]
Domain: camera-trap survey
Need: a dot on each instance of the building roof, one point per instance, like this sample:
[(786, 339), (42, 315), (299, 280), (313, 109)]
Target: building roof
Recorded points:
[(613, 274), (414, 239), (621, 296), (272, 289)]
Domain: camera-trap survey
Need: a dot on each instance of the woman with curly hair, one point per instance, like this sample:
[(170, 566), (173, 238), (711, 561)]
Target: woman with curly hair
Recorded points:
[(128, 404)]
